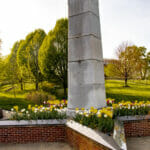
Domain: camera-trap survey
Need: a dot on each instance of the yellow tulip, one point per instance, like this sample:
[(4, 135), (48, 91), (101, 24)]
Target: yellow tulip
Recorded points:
[(29, 107), (33, 108), (16, 108), (83, 109), (77, 109)]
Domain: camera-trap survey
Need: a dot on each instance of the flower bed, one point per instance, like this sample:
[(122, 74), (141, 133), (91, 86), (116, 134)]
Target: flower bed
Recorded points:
[(96, 119), (104, 119), (34, 124), (35, 119), (38, 113)]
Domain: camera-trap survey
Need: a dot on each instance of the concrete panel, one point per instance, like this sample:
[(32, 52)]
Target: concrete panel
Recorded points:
[(85, 68), (86, 96), (83, 48), (83, 25), (82, 6), (86, 72)]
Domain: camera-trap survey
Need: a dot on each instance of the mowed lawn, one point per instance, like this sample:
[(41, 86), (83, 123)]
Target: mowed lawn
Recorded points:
[(8, 99), (137, 90)]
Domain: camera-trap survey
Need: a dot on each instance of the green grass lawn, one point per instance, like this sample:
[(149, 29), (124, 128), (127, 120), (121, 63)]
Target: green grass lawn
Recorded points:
[(137, 90), (8, 99)]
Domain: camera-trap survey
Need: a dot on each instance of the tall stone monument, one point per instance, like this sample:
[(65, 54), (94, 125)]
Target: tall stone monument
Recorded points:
[(85, 63)]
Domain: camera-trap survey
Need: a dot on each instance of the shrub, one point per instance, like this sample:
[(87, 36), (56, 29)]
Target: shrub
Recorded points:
[(47, 87), (39, 97)]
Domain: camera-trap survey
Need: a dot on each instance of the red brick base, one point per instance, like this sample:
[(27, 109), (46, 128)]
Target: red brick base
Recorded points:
[(80, 142), (47, 133), (137, 128), (31, 134)]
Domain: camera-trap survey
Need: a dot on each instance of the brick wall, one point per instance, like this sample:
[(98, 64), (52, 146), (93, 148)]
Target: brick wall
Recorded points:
[(31, 134), (80, 142), (137, 128), (47, 133)]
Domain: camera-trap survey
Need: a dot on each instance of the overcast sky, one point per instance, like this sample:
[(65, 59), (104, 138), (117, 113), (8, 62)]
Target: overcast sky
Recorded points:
[(121, 20)]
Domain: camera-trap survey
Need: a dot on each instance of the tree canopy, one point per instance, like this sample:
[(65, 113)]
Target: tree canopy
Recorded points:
[(132, 62), (53, 54), (28, 53)]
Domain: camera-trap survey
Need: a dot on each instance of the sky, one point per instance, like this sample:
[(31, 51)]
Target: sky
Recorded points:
[(121, 20)]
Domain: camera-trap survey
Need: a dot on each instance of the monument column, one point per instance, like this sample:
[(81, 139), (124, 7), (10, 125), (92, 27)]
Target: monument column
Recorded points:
[(85, 61)]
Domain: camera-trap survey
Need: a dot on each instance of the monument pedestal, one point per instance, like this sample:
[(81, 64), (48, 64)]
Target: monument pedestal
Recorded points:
[(85, 61)]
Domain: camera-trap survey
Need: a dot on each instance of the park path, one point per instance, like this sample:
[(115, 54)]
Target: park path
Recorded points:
[(139, 143), (36, 146)]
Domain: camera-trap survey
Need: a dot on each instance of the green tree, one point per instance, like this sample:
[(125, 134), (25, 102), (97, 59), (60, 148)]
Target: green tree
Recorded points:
[(1, 63), (17, 70), (28, 54), (53, 54), (146, 68)]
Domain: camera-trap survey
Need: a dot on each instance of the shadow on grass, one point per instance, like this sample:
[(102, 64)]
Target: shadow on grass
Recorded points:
[(8, 102), (120, 97)]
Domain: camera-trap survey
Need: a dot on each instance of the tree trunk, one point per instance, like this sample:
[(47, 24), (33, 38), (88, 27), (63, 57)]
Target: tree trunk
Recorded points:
[(21, 84), (24, 85), (65, 90), (37, 85), (13, 87), (126, 82), (126, 79)]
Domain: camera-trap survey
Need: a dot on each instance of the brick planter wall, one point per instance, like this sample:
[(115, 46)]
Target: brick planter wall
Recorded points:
[(81, 142), (135, 126), (78, 136), (83, 138), (32, 134)]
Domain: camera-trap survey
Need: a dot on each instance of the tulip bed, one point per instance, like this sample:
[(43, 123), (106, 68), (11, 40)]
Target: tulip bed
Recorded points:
[(50, 110), (104, 119)]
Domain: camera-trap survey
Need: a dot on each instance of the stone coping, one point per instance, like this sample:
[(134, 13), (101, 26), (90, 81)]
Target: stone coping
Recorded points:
[(132, 118), (101, 138), (32, 122)]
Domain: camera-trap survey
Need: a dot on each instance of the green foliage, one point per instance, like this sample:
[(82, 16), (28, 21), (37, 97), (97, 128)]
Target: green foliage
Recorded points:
[(28, 54), (105, 124), (53, 54), (94, 122), (47, 87), (38, 97), (131, 112), (131, 62), (11, 66)]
